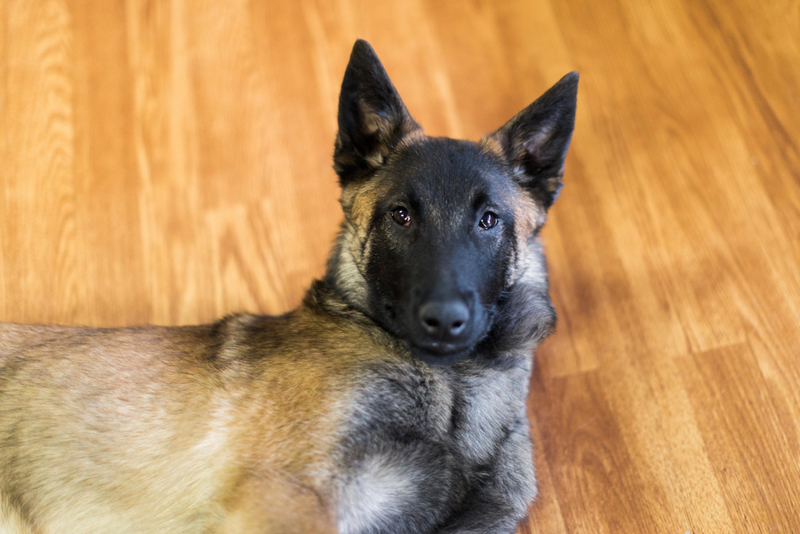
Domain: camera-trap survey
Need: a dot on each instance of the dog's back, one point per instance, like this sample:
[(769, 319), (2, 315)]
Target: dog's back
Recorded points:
[(90, 417), (148, 429)]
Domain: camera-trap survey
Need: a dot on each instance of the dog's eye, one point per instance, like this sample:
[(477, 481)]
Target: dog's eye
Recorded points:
[(489, 220), (401, 216)]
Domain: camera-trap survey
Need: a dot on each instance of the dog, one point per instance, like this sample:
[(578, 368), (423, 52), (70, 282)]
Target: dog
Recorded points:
[(392, 400)]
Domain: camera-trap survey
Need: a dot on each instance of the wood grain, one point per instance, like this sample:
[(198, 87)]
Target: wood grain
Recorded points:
[(170, 162)]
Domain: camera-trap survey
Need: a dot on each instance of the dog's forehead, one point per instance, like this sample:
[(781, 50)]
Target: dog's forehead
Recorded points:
[(450, 174)]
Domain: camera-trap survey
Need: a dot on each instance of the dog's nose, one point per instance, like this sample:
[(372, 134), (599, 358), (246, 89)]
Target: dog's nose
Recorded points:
[(444, 320)]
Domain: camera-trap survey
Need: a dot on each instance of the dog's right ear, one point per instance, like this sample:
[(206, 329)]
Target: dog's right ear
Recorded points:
[(372, 117)]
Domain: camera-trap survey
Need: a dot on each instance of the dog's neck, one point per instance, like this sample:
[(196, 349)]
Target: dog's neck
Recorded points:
[(323, 297), (343, 275)]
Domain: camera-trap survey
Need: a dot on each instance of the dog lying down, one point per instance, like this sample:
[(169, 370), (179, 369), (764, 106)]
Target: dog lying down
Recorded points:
[(391, 401)]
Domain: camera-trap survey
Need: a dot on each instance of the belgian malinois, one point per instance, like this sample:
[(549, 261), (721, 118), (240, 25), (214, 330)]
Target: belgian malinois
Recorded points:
[(391, 401)]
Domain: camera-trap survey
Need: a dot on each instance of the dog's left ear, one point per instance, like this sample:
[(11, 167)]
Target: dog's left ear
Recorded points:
[(536, 140), (372, 117)]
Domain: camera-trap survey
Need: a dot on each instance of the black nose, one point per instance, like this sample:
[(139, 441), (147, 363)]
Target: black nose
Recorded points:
[(444, 319)]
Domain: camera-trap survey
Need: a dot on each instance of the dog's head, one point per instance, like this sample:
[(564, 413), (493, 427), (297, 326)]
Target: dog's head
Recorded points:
[(436, 230)]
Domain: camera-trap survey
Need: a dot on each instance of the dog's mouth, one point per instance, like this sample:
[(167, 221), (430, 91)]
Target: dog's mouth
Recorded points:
[(440, 353), (441, 348)]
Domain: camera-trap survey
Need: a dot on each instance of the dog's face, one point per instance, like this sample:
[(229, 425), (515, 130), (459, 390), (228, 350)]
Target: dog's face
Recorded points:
[(437, 229), (439, 245)]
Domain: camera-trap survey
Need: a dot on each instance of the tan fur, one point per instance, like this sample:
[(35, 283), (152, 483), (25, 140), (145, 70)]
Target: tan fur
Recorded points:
[(491, 146), (10, 521), (139, 423)]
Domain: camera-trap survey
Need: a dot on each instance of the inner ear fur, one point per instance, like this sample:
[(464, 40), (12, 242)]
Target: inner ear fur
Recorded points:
[(535, 141), (372, 117)]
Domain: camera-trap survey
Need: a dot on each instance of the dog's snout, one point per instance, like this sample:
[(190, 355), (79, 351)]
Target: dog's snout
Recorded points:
[(444, 320)]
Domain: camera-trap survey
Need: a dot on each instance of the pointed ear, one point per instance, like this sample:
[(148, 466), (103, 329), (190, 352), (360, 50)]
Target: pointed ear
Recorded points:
[(536, 140), (372, 117)]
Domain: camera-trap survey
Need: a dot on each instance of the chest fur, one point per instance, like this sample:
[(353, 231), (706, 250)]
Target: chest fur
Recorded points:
[(420, 440)]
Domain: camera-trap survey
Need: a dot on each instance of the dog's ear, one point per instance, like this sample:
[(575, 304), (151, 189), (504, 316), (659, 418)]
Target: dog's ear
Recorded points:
[(372, 117), (536, 140)]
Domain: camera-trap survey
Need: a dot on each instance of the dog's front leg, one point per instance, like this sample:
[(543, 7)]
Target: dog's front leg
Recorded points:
[(499, 500)]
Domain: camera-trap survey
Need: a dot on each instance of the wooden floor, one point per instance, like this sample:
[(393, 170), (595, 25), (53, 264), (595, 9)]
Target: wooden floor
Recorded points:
[(170, 161)]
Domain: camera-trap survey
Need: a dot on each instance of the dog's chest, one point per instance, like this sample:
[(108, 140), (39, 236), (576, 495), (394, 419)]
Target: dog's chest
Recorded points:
[(490, 401), (419, 440)]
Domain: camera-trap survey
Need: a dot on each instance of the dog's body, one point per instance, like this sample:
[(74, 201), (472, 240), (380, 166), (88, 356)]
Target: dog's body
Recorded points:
[(391, 400)]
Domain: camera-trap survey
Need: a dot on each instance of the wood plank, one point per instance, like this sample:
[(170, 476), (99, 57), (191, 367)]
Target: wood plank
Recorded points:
[(750, 439), (588, 459), (107, 181), (38, 180), (5, 202)]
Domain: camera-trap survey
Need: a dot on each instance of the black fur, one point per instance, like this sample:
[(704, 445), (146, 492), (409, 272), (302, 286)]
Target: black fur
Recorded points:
[(442, 255)]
